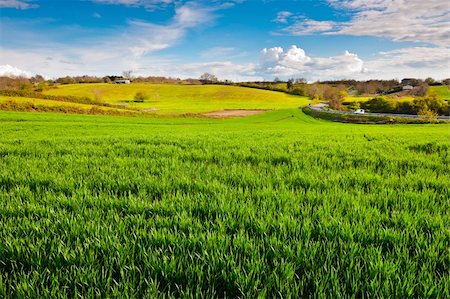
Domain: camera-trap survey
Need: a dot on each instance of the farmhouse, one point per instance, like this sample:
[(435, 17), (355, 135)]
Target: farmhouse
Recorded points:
[(408, 87), (410, 81), (122, 81)]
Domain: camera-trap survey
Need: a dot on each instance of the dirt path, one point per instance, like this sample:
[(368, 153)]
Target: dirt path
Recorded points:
[(233, 113)]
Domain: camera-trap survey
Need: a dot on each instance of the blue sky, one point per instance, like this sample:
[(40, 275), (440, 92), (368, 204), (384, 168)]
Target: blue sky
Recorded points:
[(234, 39)]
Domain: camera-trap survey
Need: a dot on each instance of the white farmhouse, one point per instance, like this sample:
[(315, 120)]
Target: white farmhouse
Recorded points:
[(408, 87), (122, 81)]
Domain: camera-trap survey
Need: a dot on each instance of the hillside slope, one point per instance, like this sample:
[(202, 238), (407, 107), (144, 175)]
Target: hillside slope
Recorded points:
[(179, 99)]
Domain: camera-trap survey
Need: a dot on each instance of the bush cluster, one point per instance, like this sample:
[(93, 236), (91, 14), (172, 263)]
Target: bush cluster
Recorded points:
[(12, 105), (417, 106), (37, 95)]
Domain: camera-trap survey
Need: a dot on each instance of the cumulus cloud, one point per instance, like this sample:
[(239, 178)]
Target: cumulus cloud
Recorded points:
[(413, 21), (10, 71), (419, 62), (294, 61), (17, 4)]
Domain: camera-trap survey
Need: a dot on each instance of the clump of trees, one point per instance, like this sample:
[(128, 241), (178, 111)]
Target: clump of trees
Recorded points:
[(421, 106), (35, 83), (335, 95), (207, 78)]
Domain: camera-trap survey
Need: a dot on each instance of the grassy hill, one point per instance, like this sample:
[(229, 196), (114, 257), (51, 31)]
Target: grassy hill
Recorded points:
[(35, 104), (441, 91), (273, 205), (179, 99)]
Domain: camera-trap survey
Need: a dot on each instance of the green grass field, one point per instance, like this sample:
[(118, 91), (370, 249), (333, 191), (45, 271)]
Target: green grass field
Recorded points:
[(274, 205), (441, 91), (180, 99)]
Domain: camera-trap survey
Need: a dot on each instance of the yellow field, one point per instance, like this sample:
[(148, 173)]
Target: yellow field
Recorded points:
[(357, 98), (179, 99), (51, 103), (441, 91)]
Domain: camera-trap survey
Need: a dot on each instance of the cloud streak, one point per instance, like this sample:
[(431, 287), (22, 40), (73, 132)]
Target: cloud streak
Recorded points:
[(411, 21), (118, 49), (17, 4)]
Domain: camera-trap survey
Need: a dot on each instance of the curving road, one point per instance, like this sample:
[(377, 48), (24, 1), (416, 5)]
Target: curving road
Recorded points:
[(321, 107)]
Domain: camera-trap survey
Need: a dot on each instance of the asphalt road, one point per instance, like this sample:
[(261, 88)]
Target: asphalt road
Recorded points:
[(320, 107)]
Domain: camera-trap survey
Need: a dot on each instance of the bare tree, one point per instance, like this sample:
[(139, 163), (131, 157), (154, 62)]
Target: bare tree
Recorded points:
[(420, 90), (290, 83), (208, 78), (300, 81), (127, 74)]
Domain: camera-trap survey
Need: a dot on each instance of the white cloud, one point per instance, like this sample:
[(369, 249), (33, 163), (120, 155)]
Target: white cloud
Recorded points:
[(17, 4), (158, 4), (97, 15), (222, 69), (10, 71), (148, 4), (307, 26), (294, 61), (122, 48), (400, 20), (419, 62), (283, 16)]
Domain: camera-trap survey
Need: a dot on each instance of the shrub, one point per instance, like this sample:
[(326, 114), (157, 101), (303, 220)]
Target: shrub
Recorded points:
[(354, 105), (433, 104), (380, 104), (427, 114), (140, 96), (299, 91)]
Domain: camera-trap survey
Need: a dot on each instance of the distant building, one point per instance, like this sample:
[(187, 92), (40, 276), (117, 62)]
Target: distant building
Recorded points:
[(408, 87), (410, 81), (352, 92), (122, 81)]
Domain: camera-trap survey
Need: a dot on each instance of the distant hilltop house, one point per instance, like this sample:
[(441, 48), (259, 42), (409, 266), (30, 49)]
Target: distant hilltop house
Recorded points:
[(122, 81), (410, 82), (408, 87), (352, 91), (118, 80)]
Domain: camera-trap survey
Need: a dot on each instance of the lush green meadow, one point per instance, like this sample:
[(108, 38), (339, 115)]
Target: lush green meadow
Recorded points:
[(180, 99), (274, 205)]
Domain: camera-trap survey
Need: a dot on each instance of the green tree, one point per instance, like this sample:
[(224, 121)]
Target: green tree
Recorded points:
[(380, 104), (208, 78), (140, 96)]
